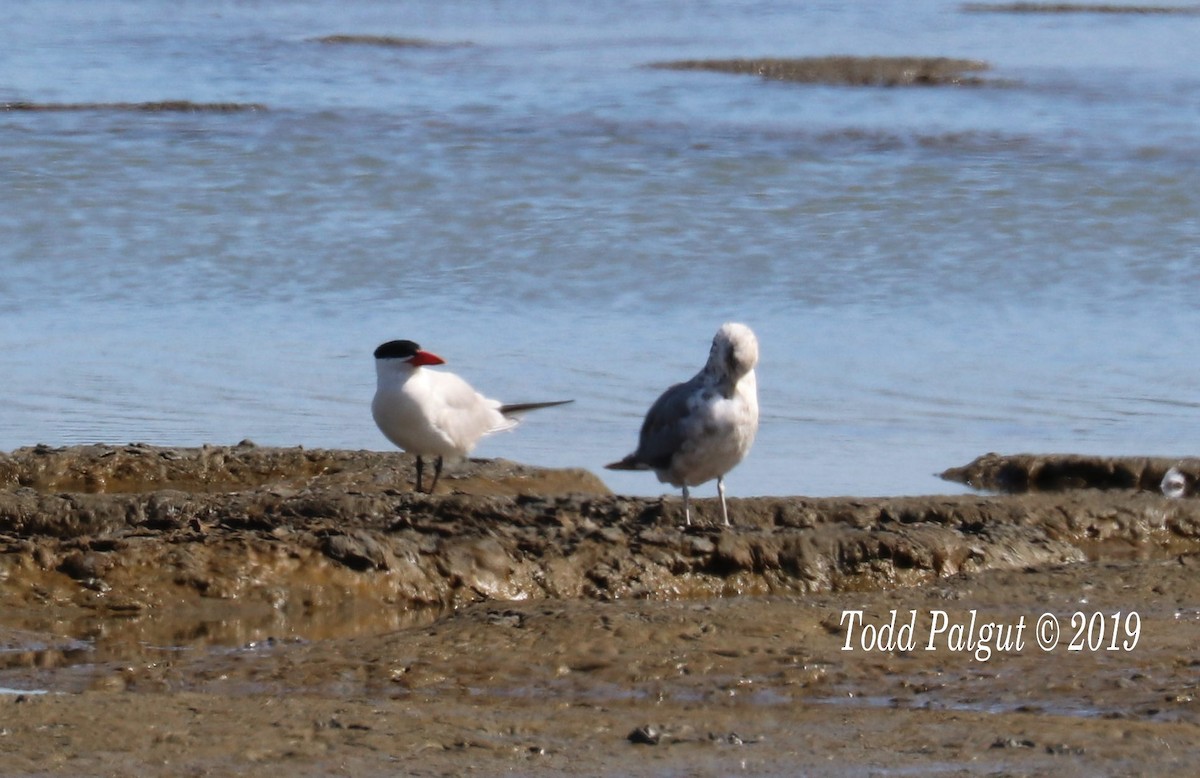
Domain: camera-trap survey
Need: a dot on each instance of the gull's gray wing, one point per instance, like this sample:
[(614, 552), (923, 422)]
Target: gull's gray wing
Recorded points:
[(667, 424)]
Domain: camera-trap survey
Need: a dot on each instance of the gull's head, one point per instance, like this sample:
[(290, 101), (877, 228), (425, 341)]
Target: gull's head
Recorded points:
[(404, 355), (734, 350)]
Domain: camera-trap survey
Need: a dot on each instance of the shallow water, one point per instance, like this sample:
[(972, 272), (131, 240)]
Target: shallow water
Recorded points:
[(933, 273)]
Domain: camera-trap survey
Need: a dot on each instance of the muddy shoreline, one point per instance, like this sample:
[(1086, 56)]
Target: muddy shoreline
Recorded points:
[(244, 606)]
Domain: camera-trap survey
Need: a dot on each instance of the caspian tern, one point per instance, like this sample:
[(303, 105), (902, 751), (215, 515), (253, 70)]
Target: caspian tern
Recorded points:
[(434, 413), (701, 429)]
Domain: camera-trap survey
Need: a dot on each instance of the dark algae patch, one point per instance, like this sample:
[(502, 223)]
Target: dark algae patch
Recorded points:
[(847, 71)]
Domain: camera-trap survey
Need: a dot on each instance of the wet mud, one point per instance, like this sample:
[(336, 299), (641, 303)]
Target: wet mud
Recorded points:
[(1022, 473), (387, 41), (1080, 8), (157, 106), (161, 106), (848, 71), (211, 610)]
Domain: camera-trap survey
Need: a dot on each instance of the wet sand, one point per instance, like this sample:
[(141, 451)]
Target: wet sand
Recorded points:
[(210, 611)]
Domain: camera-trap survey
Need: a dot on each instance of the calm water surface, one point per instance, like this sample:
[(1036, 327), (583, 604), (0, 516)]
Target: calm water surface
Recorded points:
[(933, 273)]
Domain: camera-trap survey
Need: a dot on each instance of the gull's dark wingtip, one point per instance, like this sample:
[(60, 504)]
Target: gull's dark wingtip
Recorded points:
[(630, 462)]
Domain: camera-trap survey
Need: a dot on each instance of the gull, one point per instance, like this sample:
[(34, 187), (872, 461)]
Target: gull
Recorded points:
[(434, 413), (702, 428)]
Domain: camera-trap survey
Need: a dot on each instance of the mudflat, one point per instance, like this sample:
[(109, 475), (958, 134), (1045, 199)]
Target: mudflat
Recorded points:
[(209, 611)]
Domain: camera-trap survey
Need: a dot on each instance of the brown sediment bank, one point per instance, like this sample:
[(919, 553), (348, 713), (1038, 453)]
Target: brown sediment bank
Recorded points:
[(220, 609), (146, 527), (1018, 473), (1080, 8), (390, 41), (847, 71), (158, 106)]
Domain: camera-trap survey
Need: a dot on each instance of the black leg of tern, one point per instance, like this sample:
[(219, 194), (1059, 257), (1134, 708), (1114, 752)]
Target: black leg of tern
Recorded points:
[(420, 470)]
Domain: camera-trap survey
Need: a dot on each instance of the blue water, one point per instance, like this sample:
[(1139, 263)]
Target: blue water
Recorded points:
[(933, 273)]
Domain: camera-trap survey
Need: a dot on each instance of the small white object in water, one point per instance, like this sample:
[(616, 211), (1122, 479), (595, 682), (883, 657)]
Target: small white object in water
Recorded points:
[(1174, 483)]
